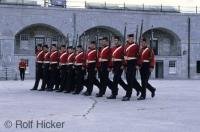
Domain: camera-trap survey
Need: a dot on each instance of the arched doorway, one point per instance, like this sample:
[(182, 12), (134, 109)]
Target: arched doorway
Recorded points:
[(27, 38), (167, 47), (97, 33), (164, 41)]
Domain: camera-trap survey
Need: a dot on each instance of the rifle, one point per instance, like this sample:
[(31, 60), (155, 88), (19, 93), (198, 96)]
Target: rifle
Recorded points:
[(141, 28), (67, 41), (136, 35), (125, 33)]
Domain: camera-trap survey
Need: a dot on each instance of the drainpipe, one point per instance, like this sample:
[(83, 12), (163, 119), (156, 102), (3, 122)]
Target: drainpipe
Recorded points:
[(189, 37)]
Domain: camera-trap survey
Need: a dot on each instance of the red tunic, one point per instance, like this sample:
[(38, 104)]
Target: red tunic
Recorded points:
[(54, 57), (22, 65), (104, 54), (80, 59), (91, 56), (46, 57), (40, 56), (70, 59), (131, 51), (147, 55), (63, 58)]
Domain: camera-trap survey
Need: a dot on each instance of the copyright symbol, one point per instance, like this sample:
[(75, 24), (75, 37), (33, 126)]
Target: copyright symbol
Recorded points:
[(8, 124)]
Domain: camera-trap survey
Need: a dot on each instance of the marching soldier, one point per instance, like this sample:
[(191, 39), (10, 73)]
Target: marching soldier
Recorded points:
[(39, 63), (70, 70), (45, 81), (22, 69), (54, 57), (146, 63), (117, 64), (79, 64), (104, 58), (131, 53), (91, 62), (63, 68)]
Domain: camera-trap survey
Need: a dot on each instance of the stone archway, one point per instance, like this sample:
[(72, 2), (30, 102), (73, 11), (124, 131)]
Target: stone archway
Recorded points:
[(97, 33), (29, 36), (165, 41)]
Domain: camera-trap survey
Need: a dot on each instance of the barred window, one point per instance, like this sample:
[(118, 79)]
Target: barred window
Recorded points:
[(172, 67), (24, 37)]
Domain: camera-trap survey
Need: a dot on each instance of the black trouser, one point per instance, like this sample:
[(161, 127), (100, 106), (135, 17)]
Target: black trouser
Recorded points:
[(145, 74), (91, 79), (70, 79), (117, 71), (22, 73), (54, 76), (38, 75), (131, 77), (46, 76), (104, 78), (79, 79), (63, 76)]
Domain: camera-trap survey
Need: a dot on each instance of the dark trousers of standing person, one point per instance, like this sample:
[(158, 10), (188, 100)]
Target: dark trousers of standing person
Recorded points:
[(131, 78), (79, 79), (38, 75), (54, 79), (145, 75), (22, 73), (63, 76), (104, 78), (117, 71), (46, 76), (91, 79), (70, 79)]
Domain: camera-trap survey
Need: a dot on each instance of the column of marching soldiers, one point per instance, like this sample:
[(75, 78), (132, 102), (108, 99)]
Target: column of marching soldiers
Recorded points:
[(64, 69)]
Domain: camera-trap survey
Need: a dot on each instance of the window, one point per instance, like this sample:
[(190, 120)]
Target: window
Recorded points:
[(198, 66), (24, 37), (55, 38), (154, 46), (172, 67)]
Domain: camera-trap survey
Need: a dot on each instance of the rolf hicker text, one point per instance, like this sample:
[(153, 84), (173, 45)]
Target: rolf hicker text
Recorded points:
[(38, 124)]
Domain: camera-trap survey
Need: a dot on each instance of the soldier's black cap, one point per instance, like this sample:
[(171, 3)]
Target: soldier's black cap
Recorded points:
[(117, 37), (92, 42), (70, 47), (45, 46), (79, 46), (105, 38), (39, 45), (130, 35), (144, 39), (54, 45), (63, 46)]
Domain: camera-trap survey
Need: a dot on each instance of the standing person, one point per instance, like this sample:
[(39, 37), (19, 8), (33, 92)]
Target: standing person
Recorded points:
[(117, 65), (22, 69), (39, 63), (45, 80), (54, 57), (104, 58), (91, 62), (70, 79), (146, 63), (131, 53), (63, 67), (79, 64)]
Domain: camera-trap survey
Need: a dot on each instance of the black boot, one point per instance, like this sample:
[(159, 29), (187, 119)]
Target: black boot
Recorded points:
[(126, 98), (42, 89), (141, 98), (153, 93), (99, 95), (87, 93), (112, 97), (33, 88)]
